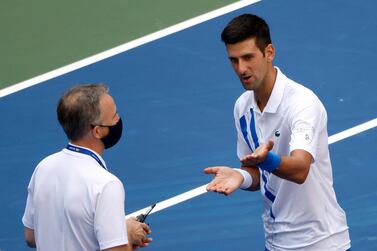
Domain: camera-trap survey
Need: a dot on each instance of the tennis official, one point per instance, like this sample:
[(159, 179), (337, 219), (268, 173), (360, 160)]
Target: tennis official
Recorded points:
[(283, 147), (74, 202)]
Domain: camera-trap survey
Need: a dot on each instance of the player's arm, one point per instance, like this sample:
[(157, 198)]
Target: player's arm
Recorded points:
[(29, 237), (308, 124), (255, 176), (294, 168)]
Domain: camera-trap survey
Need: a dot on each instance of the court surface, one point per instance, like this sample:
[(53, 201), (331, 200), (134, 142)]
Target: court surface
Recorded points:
[(176, 95)]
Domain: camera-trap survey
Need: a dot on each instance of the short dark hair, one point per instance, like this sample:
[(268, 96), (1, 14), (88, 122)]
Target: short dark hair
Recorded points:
[(79, 108), (247, 26)]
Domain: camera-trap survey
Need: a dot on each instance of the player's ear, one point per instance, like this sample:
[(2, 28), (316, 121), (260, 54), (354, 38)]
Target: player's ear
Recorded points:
[(269, 51)]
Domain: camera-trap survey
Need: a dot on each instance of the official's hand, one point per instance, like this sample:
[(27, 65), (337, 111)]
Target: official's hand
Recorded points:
[(258, 156), (226, 179), (137, 233)]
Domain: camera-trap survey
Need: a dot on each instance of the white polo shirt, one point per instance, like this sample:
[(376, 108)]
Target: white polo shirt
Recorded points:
[(296, 217), (75, 204)]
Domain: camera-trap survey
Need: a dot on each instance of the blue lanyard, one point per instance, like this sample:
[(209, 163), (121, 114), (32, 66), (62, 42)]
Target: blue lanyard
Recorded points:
[(85, 151)]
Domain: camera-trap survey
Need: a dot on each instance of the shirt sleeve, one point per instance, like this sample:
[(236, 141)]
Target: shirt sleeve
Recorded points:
[(109, 221), (307, 123), (28, 217)]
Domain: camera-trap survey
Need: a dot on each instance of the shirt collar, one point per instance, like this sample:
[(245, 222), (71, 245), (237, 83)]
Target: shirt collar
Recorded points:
[(99, 156), (276, 94)]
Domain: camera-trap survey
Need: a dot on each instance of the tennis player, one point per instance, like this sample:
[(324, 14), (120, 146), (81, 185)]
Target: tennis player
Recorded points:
[(283, 148)]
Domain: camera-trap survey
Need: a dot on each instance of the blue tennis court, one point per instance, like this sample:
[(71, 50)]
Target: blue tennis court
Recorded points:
[(176, 97)]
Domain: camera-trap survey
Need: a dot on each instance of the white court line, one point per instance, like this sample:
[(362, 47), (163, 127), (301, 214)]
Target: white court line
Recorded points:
[(173, 200), (353, 131), (125, 47), (202, 189)]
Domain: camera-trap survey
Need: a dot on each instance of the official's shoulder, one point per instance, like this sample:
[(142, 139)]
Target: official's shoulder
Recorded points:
[(51, 158)]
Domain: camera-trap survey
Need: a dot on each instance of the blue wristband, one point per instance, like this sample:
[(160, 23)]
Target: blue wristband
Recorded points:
[(270, 163)]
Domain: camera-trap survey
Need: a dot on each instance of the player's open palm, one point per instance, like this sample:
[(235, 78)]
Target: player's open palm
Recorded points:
[(226, 179)]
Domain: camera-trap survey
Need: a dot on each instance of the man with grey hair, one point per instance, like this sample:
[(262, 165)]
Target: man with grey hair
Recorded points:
[(74, 202)]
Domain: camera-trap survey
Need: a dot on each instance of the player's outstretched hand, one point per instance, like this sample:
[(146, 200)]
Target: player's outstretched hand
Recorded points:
[(258, 156), (226, 180)]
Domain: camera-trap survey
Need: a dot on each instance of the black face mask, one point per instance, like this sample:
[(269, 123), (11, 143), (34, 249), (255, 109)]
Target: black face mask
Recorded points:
[(115, 133)]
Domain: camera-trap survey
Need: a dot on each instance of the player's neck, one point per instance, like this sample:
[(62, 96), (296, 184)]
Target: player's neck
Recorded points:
[(262, 95)]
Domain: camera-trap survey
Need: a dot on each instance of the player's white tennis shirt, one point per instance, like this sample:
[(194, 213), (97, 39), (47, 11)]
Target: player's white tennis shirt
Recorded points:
[(75, 204), (296, 217)]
